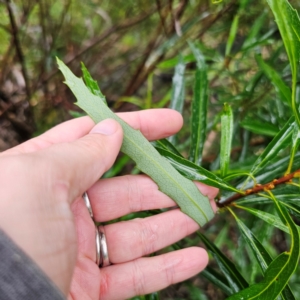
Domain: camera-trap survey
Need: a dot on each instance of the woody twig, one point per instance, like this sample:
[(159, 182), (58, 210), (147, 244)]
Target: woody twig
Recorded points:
[(259, 188)]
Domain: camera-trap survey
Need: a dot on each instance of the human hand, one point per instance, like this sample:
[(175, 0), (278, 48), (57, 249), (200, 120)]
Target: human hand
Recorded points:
[(42, 182)]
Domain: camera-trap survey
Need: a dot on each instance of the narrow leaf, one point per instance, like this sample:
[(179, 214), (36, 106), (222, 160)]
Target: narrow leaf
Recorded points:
[(261, 254), (293, 208), (274, 77), (194, 172), (165, 144), (280, 270), (259, 127), (279, 142), (233, 276), (267, 217), (295, 146), (232, 34), (251, 38), (135, 145), (226, 138), (91, 83), (199, 108), (288, 23), (217, 279), (177, 99)]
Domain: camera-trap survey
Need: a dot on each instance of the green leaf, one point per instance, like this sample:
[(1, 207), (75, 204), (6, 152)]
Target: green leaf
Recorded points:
[(279, 142), (194, 172), (91, 83), (232, 34), (134, 100), (117, 167), (274, 77), (293, 208), (295, 146), (258, 127), (135, 145), (261, 254), (280, 270), (226, 138), (288, 22), (267, 217), (177, 99), (165, 144), (233, 276), (217, 279), (194, 292), (199, 108), (251, 38)]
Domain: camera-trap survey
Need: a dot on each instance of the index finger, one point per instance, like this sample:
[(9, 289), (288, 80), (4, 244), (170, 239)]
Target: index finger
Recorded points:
[(154, 124)]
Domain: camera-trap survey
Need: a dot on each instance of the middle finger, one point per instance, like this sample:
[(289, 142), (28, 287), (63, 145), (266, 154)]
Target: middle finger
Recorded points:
[(116, 197)]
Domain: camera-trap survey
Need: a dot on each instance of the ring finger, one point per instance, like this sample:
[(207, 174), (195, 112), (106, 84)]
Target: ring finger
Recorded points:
[(140, 237)]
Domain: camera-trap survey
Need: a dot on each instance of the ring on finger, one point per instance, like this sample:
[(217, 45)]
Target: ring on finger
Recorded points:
[(102, 257)]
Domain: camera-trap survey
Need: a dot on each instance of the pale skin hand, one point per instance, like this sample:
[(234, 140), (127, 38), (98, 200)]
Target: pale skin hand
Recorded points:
[(41, 209)]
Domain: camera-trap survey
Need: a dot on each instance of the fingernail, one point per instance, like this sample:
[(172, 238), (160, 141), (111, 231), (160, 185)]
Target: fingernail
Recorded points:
[(106, 127)]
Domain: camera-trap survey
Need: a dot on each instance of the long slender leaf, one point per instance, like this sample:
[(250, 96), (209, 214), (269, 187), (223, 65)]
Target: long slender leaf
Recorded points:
[(217, 279), (135, 145), (251, 38), (226, 138), (261, 254), (280, 270), (233, 276), (288, 23), (199, 108), (259, 127), (293, 208), (277, 81), (232, 34), (165, 144), (295, 146), (177, 99), (194, 172), (267, 217), (91, 83), (279, 142)]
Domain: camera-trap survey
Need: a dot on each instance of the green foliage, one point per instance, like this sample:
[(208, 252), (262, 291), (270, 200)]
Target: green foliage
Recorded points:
[(226, 138), (242, 55), (288, 22), (199, 107), (276, 272), (136, 146)]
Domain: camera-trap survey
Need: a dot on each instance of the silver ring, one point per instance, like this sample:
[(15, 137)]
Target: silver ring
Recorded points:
[(88, 204), (98, 247), (104, 258)]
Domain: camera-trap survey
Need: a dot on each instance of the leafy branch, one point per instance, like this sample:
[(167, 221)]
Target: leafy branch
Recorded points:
[(259, 188)]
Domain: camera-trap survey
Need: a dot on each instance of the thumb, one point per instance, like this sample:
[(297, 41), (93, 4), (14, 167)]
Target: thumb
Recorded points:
[(74, 167)]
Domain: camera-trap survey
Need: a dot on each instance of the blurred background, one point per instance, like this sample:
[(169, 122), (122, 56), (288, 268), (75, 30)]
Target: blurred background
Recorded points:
[(132, 48)]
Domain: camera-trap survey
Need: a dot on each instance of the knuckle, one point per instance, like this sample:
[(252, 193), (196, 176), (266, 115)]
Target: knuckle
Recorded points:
[(134, 194), (169, 269), (138, 279), (148, 236)]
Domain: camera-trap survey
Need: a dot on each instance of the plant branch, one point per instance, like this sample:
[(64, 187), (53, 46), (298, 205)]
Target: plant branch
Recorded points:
[(99, 39), (259, 188), (16, 41), (162, 18)]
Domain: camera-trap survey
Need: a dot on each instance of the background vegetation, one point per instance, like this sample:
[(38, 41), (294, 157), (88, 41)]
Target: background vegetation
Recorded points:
[(233, 50)]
